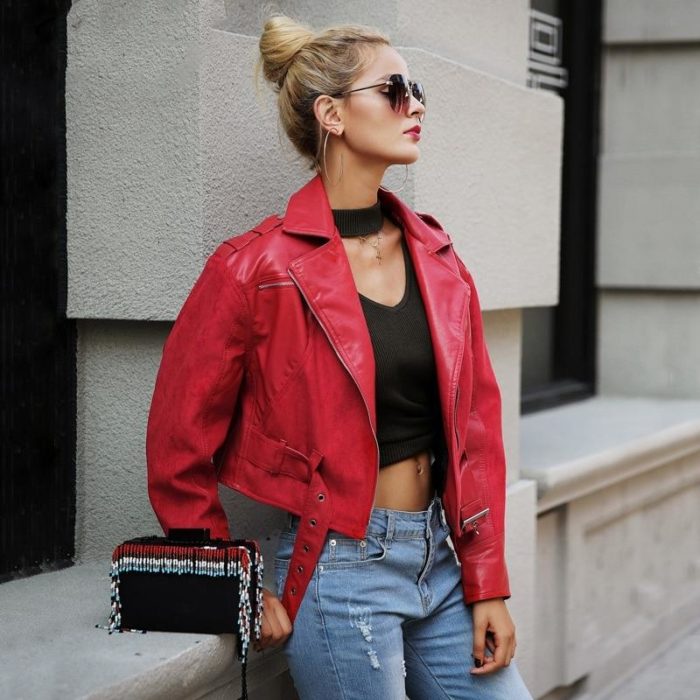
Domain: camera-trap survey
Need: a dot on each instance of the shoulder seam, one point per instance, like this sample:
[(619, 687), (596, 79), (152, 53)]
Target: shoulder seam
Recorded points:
[(240, 240), (430, 219)]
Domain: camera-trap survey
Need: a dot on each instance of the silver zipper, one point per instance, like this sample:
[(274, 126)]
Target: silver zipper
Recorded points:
[(369, 417), (457, 370), (455, 417), (282, 283), (473, 519)]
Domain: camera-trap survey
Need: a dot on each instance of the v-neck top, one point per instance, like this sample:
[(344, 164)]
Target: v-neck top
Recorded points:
[(407, 398), (407, 286)]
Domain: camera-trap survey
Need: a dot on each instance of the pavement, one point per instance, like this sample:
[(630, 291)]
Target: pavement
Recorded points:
[(671, 674)]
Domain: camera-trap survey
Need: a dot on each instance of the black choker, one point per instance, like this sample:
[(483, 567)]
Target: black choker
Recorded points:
[(359, 222)]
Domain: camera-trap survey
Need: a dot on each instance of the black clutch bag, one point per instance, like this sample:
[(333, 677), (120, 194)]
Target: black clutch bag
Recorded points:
[(187, 582)]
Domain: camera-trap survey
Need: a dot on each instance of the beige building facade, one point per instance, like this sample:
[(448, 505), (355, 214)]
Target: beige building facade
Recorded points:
[(169, 152)]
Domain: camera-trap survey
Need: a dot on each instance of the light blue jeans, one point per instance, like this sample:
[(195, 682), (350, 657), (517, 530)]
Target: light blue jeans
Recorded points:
[(385, 616)]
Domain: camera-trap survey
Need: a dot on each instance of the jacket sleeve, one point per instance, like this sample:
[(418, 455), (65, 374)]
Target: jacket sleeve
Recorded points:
[(482, 556), (194, 397)]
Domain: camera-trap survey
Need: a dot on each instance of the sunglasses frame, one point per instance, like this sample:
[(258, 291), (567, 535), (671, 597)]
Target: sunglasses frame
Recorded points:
[(397, 82)]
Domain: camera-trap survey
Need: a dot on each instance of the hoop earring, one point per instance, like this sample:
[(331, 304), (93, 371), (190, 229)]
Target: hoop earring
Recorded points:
[(325, 165), (386, 189)]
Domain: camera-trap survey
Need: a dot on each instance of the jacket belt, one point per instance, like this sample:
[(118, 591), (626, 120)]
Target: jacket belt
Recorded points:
[(310, 539)]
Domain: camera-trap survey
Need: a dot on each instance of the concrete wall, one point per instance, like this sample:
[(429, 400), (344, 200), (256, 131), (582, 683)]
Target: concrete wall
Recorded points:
[(170, 151), (618, 536), (648, 268)]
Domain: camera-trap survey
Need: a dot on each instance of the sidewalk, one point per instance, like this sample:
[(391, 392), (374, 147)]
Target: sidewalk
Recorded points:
[(51, 648), (672, 674)]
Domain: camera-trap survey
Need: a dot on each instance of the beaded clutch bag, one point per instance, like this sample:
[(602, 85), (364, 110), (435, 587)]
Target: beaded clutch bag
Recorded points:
[(187, 582)]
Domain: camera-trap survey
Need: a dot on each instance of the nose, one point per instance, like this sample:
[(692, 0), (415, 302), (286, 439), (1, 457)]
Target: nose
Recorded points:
[(415, 106)]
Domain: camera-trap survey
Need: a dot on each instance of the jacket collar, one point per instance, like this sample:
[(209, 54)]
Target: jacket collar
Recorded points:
[(309, 213), (325, 279)]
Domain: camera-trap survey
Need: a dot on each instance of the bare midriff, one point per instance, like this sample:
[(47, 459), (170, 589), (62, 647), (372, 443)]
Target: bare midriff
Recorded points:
[(406, 484)]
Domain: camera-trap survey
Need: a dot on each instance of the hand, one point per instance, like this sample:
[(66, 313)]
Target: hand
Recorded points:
[(493, 628), (276, 626)]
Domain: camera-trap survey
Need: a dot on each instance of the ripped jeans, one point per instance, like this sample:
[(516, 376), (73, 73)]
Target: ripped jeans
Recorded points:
[(384, 617)]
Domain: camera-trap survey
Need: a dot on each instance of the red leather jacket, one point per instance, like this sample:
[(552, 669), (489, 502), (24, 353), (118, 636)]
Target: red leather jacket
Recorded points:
[(266, 384)]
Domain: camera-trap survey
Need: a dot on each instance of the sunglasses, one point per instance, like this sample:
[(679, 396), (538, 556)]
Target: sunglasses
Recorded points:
[(400, 90)]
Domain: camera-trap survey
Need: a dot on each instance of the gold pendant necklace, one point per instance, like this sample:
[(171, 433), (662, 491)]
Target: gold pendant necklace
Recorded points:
[(375, 245)]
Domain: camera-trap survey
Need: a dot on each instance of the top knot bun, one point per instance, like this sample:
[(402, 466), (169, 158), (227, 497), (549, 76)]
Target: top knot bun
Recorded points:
[(302, 65), (281, 40)]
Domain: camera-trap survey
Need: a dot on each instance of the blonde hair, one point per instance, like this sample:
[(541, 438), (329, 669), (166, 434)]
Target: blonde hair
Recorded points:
[(301, 65)]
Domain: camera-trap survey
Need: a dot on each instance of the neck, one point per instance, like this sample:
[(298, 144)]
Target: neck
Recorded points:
[(358, 185)]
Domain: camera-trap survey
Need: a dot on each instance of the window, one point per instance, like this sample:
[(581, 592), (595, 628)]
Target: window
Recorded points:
[(558, 357)]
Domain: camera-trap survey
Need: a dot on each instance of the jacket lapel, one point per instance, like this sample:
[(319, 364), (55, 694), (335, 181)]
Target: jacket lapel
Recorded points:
[(446, 301), (324, 277)]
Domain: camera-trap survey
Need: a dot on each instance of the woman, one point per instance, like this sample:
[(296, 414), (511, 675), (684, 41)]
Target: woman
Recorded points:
[(331, 362)]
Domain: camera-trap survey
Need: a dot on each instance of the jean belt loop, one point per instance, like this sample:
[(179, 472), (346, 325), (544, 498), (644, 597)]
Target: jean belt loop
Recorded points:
[(429, 518), (390, 522)]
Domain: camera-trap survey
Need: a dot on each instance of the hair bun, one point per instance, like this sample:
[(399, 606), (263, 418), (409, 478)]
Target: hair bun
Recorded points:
[(281, 40)]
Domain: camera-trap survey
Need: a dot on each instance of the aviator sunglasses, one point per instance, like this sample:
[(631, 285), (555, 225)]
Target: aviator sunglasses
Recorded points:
[(400, 89)]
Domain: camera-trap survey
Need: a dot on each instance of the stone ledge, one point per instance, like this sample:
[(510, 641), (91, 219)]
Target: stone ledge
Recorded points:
[(51, 647), (651, 22), (573, 450)]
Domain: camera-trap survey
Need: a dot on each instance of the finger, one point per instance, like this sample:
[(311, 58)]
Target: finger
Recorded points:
[(502, 653), (489, 666), (275, 631), (479, 641), (278, 626), (266, 630), (512, 652), (283, 626), (492, 663)]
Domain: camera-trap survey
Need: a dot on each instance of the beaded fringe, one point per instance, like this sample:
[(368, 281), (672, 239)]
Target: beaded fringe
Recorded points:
[(230, 560)]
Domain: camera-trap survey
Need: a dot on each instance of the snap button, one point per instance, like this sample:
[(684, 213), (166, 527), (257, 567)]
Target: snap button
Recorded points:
[(363, 543), (332, 543), (294, 590), (306, 547), (300, 568), (321, 496), (313, 522)]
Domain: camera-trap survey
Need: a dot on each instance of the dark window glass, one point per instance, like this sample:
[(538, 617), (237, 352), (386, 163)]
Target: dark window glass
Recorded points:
[(559, 341), (37, 366)]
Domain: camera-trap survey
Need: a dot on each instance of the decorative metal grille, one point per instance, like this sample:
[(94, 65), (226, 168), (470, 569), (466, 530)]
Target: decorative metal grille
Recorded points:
[(545, 58)]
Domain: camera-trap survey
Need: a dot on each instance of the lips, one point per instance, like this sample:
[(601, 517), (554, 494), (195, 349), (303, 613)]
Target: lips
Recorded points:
[(413, 130)]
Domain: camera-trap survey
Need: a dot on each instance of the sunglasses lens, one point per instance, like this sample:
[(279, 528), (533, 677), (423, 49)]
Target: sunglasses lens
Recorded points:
[(400, 91), (419, 93)]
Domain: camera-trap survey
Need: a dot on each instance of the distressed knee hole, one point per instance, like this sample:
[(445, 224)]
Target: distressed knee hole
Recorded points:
[(373, 658), (361, 618)]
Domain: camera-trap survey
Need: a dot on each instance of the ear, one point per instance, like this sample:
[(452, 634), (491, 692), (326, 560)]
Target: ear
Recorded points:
[(328, 114)]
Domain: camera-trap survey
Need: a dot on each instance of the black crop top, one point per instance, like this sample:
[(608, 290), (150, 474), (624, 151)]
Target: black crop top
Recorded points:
[(407, 400)]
